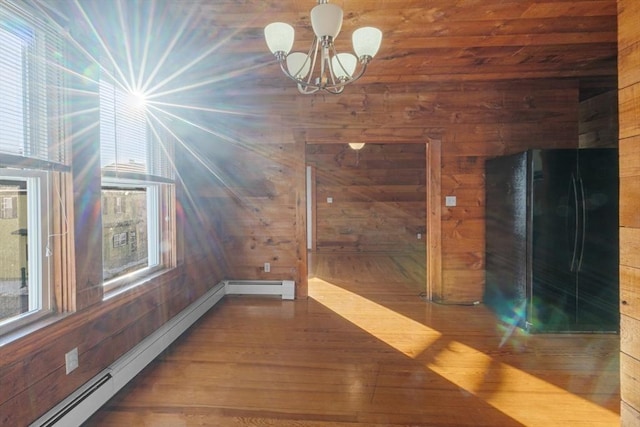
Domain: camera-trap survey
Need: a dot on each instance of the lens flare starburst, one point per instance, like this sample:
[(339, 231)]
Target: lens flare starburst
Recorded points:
[(163, 56)]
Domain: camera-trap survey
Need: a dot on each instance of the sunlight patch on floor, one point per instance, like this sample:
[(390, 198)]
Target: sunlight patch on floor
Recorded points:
[(405, 335), (466, 367)]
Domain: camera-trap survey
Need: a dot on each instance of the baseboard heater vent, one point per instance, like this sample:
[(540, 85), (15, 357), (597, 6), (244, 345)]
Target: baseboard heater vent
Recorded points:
[(78, 399), (283, 288), (82, 403)]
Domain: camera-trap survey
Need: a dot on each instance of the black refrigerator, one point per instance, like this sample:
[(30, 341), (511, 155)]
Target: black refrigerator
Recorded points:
[(552, 255)]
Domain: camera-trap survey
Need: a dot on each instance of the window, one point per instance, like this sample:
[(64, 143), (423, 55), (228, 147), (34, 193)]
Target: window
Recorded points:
[(119, 240), (137, 190), (9, 207), (32, 152), (24, 270)]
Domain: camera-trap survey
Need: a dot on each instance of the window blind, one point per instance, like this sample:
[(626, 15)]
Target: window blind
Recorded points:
[(31, 84), (127, 144)]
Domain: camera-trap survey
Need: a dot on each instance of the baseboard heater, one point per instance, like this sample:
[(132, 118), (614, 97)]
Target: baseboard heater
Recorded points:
[(86, 400)]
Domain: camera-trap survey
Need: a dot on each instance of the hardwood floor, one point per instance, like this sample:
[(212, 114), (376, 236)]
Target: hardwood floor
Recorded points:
[(365, 350)]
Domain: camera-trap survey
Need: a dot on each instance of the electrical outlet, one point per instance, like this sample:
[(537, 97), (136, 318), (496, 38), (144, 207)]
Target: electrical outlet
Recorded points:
[(71, 360), (267, 267), (418, 236)]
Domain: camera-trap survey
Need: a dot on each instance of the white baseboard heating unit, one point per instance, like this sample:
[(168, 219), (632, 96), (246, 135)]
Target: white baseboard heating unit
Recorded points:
[(85, 401), (284, 288)]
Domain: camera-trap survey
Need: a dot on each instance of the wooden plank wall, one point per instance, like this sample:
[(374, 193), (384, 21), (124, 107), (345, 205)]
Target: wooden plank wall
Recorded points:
[(254, 197), (503, 119), (629, 107), (598, 125), (473, 121), (32, 361), (32, 369), (241, 203), (378, 197)]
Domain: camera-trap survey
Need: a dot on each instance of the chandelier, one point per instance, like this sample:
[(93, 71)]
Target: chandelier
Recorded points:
[(323, 68)]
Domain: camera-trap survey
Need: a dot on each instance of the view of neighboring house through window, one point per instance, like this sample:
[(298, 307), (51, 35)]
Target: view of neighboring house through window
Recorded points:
[(14, 288), (125, 244), (31, 147), (22, 266), (136, 186)]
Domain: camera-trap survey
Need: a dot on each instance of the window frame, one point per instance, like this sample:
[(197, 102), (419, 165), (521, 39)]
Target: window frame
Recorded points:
[(40, 157), (39, 255), (160, 231), (123, 134)]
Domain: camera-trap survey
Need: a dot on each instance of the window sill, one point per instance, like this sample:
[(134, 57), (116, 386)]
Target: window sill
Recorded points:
[(128, 284), (38, 322)]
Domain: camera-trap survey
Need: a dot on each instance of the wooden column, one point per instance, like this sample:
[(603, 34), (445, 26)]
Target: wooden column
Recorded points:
[(629, 120), (434, 216)]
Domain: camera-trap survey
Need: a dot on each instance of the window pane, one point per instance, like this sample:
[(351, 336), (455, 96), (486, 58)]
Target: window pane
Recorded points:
[(14, 278), (11, 87), (31, 84), (123, 132), (125, 231)]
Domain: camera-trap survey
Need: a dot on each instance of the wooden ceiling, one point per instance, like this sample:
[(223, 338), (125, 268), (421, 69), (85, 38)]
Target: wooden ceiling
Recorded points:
[(433, 40), (206, 57)]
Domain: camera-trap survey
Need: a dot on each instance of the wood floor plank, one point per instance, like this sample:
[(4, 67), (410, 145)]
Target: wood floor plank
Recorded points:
[(366, 350)]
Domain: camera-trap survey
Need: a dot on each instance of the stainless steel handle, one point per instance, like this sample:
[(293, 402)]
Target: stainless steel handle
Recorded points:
[(584, 223), (575, 234)]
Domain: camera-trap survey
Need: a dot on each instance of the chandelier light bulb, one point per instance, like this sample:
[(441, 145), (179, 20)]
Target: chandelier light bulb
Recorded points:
[(343, 65), (298, 64), (279, 37), (366, 41), (326, 20)]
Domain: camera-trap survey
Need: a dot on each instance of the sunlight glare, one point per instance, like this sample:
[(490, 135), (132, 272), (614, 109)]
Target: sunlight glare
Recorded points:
[(138, 100), (468, 368), (405, 335), (496, 382)]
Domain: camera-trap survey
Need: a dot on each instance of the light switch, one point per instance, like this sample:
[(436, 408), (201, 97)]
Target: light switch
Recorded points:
[(329, 199), (450, 201)]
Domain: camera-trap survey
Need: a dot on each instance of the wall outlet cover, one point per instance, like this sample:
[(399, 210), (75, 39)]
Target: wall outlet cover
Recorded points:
[(71, 360)]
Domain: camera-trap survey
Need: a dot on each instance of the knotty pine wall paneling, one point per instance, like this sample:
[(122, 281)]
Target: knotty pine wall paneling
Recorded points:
[(487, 121), (378, 197), (473, 121), (598, 125), (629, 151), (256, 200)]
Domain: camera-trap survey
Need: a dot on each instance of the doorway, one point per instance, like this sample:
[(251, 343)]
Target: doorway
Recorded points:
[(371, 204)]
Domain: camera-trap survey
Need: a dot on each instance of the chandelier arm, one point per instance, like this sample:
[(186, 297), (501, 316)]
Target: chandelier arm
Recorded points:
[(301, 83), (339, 87), (313, 50), (334, 88), (283, 67), (355, 77), (327, 80), (307, 89), (332, 49)]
